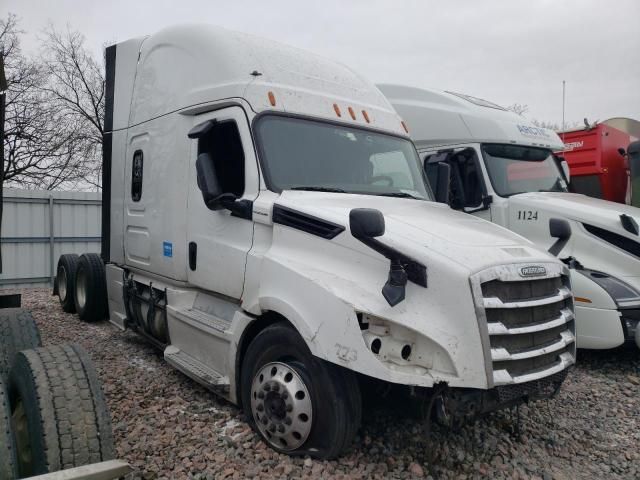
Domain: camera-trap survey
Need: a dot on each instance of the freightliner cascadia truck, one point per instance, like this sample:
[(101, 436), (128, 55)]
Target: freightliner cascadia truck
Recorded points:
[(502, 169), (268, 225)]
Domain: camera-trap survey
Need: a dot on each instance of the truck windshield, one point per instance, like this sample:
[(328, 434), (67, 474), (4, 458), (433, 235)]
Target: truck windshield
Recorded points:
[(516, 169), (301, 154)]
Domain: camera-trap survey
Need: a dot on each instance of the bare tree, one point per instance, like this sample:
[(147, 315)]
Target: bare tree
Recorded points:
[(76, 85), (43, 145), (518, 108)]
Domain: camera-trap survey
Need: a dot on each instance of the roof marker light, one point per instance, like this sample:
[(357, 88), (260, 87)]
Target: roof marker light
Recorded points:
[(337, 109), (366, 116), (272, 99), (404, 125), (352, 113)]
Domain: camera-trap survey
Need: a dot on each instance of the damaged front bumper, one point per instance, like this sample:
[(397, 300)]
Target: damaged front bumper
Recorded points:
[(459, 405)]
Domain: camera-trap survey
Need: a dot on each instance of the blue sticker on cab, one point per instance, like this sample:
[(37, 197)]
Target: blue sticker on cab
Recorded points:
[(167, 249)]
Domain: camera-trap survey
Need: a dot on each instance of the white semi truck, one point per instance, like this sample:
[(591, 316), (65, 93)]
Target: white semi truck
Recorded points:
[(501, 168), (254, 231)]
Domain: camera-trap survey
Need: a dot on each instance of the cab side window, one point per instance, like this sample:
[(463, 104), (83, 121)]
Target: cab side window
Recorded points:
[(224, 146)]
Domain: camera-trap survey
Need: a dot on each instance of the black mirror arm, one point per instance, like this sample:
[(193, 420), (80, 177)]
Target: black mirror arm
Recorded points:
[(242, 208)]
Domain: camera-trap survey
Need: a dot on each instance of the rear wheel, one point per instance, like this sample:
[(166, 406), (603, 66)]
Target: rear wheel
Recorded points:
[(59, 415), (298, 403), (8, 467), (18, 331), (90, 292), (65, 277)]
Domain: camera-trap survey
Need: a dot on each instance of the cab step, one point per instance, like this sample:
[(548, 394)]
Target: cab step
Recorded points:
[(196, 370)]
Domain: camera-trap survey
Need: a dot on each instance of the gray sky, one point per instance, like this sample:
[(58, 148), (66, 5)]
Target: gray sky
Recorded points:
[(503, 51)]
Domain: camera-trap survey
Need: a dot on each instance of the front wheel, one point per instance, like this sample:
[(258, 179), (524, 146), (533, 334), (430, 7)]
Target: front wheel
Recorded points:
[(298, 403)]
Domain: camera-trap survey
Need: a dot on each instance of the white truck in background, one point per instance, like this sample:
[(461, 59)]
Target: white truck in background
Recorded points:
[(268, 225), (501, 168)]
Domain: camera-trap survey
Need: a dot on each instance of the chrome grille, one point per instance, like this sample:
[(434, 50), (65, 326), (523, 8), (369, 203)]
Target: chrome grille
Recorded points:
[(530, 328)]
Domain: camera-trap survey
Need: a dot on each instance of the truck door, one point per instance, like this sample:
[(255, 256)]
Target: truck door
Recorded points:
[(218, 242)]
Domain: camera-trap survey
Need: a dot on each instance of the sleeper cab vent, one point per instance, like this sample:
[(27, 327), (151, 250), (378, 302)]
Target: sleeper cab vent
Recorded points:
[(306, 223), (630, 246)]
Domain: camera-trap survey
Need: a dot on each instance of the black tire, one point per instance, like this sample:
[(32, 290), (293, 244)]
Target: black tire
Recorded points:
[(60, 417), (8, 466), (334, 392), (18, 331), (90, 288), (65, 281)]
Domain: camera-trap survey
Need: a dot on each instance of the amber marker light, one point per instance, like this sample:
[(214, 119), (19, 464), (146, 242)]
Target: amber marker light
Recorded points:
[(336, 108), (366, 116), (582, 300), (352, 113), (272, 99), (404, 125)]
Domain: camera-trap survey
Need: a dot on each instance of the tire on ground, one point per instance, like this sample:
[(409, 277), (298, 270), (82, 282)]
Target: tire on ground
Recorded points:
[(65, 280), (18, 331), (90, 291), (335, 395), (8, 467), (60, 416)]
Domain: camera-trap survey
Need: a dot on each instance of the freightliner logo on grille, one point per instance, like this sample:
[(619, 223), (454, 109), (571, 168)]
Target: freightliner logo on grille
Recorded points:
[(533, 271)]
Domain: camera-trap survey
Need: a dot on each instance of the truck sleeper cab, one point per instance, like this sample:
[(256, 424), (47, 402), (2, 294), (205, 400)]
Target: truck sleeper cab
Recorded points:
[(502, 169), (268, 225)]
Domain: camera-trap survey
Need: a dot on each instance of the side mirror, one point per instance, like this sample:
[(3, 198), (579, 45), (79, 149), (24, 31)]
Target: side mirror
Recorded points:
[(443, 183), (565, 169), (208, 182), (366, 223), (560, 229)]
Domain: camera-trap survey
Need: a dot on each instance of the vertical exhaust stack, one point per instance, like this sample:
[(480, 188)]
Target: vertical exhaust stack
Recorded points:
[(107, 139)]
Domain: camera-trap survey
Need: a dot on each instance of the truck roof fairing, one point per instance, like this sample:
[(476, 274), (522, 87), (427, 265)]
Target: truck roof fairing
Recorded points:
[(190, 66), (436, 117)]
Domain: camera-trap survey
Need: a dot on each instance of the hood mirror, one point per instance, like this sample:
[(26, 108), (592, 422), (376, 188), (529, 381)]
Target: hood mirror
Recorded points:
[(559, 228), (366, 223)]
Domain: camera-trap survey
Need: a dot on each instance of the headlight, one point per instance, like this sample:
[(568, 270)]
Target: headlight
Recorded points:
[(623, 294)]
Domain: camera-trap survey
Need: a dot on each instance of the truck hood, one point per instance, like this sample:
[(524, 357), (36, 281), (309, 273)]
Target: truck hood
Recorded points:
[(420, 228), (580, 208)]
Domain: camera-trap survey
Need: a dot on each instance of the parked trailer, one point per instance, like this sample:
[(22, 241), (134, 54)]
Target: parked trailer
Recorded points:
[(268, 226), (598, 160), (501, 168)]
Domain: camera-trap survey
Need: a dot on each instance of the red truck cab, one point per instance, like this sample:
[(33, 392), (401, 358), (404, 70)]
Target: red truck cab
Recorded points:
[(598, 161)]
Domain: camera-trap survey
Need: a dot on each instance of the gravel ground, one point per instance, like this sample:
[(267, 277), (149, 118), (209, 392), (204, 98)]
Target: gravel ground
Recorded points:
[(167, 426)]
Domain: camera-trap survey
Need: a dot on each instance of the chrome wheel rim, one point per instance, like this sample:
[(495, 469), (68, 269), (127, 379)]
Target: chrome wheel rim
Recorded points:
[(21, 435), (62, 284), (281, 406), (81, 288)]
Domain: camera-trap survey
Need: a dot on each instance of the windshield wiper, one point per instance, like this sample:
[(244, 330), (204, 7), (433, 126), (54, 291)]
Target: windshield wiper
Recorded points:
[(312, 188), (398, 195)]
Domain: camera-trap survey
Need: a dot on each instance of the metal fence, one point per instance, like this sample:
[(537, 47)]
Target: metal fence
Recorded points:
[(39, 226)]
